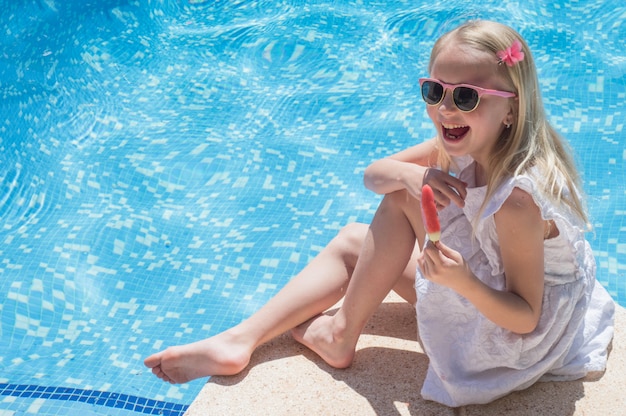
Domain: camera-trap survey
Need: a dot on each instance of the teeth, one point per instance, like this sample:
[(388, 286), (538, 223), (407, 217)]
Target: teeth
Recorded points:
[(452, 126)]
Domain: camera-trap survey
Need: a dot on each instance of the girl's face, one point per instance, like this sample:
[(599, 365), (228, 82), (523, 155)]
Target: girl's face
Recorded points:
[(470, 133)]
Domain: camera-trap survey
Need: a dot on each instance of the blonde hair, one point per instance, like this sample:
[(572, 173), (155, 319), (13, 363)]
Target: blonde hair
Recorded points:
[(531, 140)]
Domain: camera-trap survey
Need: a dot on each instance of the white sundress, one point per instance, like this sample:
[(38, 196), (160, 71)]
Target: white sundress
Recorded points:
[(471, 359)]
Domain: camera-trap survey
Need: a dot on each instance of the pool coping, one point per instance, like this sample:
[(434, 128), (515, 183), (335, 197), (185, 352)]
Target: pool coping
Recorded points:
[(285, 378)]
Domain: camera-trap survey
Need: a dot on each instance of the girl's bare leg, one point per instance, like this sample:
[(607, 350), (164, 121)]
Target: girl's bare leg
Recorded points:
[(315, 289), (388, 247)]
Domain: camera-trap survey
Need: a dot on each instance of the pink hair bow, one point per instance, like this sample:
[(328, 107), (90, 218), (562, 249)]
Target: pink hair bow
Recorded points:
[(511, 55)]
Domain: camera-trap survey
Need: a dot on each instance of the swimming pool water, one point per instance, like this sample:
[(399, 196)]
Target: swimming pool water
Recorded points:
[(169, 165)]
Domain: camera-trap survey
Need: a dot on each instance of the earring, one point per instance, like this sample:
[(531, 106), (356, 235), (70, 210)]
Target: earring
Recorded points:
[(508, 126)]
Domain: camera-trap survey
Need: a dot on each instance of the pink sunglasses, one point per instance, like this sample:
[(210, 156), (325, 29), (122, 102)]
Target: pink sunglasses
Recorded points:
[(466, 97)]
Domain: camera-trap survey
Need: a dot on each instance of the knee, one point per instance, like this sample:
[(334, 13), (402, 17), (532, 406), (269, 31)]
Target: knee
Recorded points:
[(399, 199), (349, 239), (396, 203)]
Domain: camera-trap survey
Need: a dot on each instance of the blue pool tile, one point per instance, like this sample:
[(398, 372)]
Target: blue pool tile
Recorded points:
[(100, 398)]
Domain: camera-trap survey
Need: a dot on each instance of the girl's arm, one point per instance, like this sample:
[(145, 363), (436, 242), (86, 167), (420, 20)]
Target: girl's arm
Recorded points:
[(400, 169), (520, 230), (411, 168)]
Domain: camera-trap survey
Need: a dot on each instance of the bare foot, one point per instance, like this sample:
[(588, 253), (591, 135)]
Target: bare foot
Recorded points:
[(222, 354), (325, 339)]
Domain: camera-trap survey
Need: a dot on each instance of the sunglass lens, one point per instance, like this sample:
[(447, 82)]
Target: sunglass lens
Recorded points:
[(465, 98), (432, 92)]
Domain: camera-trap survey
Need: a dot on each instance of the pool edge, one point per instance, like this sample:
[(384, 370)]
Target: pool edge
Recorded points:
[(285, 378)]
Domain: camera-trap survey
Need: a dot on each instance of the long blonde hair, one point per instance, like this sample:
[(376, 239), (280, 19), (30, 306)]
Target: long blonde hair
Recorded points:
[(531, 141)]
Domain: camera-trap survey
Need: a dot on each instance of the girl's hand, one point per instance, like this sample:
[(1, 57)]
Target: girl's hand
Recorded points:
[(442, 265), (446, 188)]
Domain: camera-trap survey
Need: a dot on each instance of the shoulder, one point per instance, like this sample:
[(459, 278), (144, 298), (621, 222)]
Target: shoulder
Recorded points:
[(519, 200), (519, 207)]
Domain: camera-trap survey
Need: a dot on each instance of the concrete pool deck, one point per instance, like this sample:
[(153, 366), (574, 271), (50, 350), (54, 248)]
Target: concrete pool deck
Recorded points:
[(285, 378)]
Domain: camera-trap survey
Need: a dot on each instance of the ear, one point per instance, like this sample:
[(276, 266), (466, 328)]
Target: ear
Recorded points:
[(510, 117)]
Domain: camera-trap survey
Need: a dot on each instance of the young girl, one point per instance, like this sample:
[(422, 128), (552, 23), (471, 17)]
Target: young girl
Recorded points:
[(507, 297)]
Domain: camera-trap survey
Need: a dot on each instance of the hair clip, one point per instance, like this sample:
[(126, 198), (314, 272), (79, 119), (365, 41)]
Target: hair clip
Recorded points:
[(511, 55)]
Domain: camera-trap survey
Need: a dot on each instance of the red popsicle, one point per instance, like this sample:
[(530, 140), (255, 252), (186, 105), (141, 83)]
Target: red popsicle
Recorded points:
[(429, 214)]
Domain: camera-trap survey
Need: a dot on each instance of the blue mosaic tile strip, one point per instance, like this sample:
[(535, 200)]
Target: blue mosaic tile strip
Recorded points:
[(99, 398)]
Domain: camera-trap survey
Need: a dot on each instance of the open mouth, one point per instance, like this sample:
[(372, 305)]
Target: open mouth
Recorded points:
[(454, 132)]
